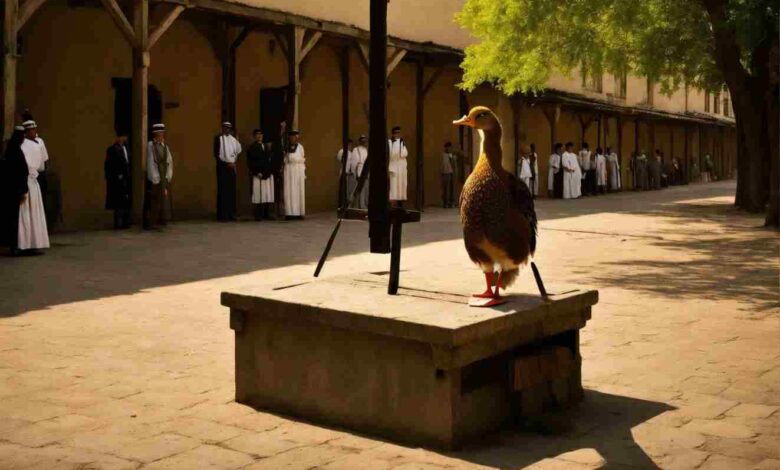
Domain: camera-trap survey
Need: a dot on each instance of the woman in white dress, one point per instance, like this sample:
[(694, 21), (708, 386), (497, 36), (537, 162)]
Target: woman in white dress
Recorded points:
[(613, 167), (601, 172), (294, 178), (33, 233)]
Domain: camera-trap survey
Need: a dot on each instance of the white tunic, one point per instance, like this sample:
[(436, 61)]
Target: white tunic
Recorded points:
[(397, 170), (361, 155), (601, 170), (152, 171), (614, 171), (295, 182), (571, 179), (352, 161), (33, 233), (229, 148), (262, 190), (524, 172), (554, 166)]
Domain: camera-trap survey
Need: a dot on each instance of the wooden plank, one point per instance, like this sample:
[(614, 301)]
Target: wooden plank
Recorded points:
[(378, 201), (165, 24), (121, 21), (432, 80), (140, 106), (395, 59), (9, 67), (312, 41), (26, 11)]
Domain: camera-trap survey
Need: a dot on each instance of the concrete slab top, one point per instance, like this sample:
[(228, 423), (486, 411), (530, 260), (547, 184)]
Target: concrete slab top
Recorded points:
[(361, 303)]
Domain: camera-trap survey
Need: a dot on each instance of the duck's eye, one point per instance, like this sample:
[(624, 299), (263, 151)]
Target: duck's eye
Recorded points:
[(481, 115)]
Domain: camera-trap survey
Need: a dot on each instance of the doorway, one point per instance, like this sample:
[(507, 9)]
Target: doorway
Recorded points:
[(123, 106), (273, 110)]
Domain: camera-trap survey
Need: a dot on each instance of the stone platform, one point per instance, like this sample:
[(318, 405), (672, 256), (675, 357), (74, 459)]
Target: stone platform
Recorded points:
[(420, 367)]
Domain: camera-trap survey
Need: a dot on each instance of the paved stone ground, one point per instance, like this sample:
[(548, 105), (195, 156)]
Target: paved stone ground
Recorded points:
[(115, 352)]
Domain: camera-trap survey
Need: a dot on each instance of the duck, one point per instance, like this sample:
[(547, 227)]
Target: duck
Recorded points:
[(496, 211)]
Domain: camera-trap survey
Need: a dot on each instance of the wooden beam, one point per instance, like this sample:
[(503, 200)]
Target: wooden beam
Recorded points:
[(378, 200), (282, 43), (553, 115), (363, 53), (140, 106), (419, 201), (312, 41), (165, 24), (295, 43), (10, 18), (432, 80), (26, 11), (242, 35), (121, 21), (395, 59), (344, 198)]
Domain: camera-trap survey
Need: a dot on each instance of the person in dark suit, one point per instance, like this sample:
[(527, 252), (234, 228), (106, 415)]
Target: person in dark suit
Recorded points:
[(117, 171), (13, 189)]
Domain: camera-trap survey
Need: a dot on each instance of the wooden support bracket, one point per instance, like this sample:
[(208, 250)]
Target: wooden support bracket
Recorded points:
[(432, 80), (121, 21), (166, 23), (26, 11), (395, 59)]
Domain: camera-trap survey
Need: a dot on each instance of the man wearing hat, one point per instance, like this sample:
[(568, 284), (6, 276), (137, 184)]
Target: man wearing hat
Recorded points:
[(350, 165), (294, 177), (226, 150), (361, 157), (117, 172), (397, 167), (159, 173), (258, 160), (33, 232)]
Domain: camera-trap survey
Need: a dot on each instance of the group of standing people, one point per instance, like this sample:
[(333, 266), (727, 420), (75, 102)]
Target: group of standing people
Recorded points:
[(357, 157), (23, 217), (570, 175), (653, 173)]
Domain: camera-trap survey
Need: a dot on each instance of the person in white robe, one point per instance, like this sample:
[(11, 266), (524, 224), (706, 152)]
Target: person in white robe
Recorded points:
[(584, 160), (554, 173), (601, 172), (524, 170), (350, 166), (361, 157), (613, 170), (572, 178), (33, 232), (294, 177), (397, 168)]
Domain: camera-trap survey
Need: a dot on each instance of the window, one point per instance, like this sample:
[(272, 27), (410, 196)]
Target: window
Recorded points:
[(621, 80), (726, 110), (591, 81), (716, 104), (706, 101)]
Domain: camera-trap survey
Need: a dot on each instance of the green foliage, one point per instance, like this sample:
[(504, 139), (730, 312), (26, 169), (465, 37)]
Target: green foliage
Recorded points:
[(521, 43)]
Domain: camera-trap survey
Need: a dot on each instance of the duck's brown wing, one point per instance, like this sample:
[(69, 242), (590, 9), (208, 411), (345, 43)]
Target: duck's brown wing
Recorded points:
[(524, 202)]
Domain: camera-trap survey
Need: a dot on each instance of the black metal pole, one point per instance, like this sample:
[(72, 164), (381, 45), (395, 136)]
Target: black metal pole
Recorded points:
[(395, 258), (378, 198)]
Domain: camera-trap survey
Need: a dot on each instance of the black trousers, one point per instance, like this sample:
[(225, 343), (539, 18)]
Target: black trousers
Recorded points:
[(446, 190), (226, 192), (122, 218)]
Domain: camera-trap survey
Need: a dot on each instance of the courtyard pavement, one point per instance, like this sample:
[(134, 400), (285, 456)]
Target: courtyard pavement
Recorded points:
[(115, 352)]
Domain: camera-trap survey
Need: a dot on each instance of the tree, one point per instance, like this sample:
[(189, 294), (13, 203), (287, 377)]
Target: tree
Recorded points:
[(701, 43)]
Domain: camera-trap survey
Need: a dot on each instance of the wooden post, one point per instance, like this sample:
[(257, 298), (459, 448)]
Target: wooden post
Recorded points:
[(344, 62), (378, 201), (619, 152), (686, 153), (636, 135), (242, 35), (515, 101), (701, 148), (10, 29), (651, 128), (553, 115), (419, 198), (140, 108), (294, 45), (598, 139)]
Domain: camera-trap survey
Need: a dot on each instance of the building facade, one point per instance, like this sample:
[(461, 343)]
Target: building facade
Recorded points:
[(78, 65)]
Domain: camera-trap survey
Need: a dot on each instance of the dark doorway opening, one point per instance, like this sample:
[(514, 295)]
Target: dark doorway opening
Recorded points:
[(273, 110), (123, 106)]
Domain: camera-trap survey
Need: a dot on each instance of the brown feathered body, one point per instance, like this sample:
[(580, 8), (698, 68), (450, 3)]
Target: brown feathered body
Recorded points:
[(497, 213)]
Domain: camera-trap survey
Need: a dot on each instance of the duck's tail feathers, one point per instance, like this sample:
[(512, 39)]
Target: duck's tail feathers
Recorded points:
[(508, 277)]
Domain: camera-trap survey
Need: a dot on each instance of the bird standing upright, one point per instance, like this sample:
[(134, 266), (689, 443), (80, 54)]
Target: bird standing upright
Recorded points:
[(497, 212)]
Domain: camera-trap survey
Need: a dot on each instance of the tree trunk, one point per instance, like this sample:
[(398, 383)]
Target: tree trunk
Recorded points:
[(773, 126)]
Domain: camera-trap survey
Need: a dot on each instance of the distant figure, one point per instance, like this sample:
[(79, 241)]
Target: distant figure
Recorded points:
[(361, 155), (13, 189), (226, 150), (397, 167), (351, 167), (447, 170), (117, 172), (159, 174), (258, 159), (534, 171), (583, 158), (523, 171), (554, 174), (33, 232), (654, 169), (294, 177), (707, 174), (695, 172), (572, 179), (641, 172), (600, 171), (613, 169)]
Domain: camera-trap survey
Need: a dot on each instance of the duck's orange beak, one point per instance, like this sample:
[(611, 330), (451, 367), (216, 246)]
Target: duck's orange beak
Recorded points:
[(464, 121)]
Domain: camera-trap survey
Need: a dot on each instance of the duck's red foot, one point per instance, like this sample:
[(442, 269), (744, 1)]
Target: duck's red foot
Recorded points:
[(488, 294)]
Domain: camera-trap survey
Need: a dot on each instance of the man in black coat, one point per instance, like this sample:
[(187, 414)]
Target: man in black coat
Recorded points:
[(258, 159), (226, 150), (13, 188), (117, 171)]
